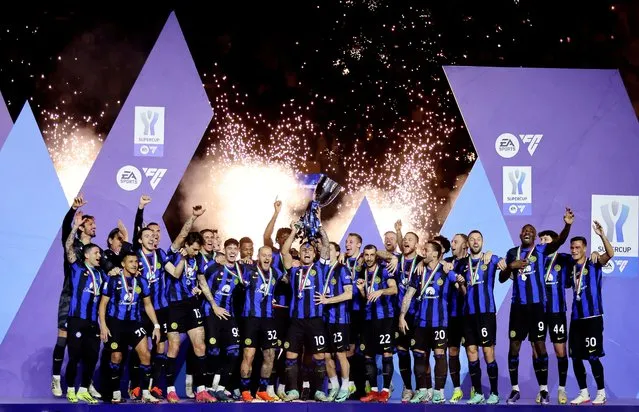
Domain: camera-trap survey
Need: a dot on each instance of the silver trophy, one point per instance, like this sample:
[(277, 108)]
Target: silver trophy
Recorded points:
[(325, 192)]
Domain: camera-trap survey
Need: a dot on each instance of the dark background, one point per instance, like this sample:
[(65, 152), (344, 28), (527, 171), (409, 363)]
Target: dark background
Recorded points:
[(80, 61)]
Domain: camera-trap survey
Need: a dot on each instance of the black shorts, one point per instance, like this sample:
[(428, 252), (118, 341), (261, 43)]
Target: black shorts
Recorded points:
[(455, 331), (63, 306), (185, 315), (307, 333), (260, 333), (163, 320), (83, 335), (378, 336), (282, 321), (557, 327), (221, 333), (585, 339), (527, 321), (339, 337), (357, 325), (125, 333), (480, 329), (430, 339), (402, 340)]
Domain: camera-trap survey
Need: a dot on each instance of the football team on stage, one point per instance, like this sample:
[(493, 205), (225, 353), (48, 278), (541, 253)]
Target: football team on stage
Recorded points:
[(314, 317)]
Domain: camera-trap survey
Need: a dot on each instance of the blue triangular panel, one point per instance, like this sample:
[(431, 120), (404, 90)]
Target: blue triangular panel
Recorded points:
[(364, 224), (477, 208), (5, 121), (30, 214)]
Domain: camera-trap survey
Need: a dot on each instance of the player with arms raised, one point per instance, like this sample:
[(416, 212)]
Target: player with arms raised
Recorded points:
[(585, 339)]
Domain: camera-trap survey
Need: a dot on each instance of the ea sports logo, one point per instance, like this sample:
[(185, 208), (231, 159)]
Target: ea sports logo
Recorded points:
[(129, 178), (507, 145), (608, 268)]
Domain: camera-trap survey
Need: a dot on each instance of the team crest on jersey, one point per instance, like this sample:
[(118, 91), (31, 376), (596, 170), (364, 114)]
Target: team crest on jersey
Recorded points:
[(286, 345), (78, 334), (272, 281), (440, 281), (557, 268), (484, 267), (377, 279), (412, 342), (279, 342), (247, 341), (114, 346), (313, 272), (138, 289), (212, 341), (174, 325), (585, 271), (512, 333), (333, 281), (362, 347), (235, 281), (533, 258), (396, 335)]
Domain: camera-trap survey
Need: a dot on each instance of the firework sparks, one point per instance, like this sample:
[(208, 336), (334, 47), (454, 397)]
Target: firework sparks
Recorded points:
[(73, 146)]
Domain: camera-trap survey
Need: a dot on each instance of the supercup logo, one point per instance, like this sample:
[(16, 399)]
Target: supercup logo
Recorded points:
[(517, 178), (619, 217), (517, 190), (148, 131), (615, 215)]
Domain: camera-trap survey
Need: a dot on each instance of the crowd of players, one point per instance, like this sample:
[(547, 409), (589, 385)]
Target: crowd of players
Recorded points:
[(318, 312)]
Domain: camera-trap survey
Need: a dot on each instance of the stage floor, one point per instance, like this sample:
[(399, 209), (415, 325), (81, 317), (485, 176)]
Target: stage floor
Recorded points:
[(55, 405)]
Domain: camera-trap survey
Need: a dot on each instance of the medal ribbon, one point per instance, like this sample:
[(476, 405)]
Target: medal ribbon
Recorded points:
[(125, 285), (270, 276), (302, 281), (474, 274), (352, 269), (425, 283), (369, 285), (580, 277), (549, 268), (186, 266), (96, 288), (532, 249), (148, 265), (412, 267), (328, 278), (238, 275)]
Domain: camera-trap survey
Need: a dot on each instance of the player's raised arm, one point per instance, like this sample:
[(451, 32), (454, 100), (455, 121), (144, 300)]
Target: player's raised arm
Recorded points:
[(270, 226), (610, 252), (186, 228)]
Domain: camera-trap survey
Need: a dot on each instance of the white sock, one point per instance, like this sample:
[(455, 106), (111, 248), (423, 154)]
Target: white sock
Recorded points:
[(281, 388), (345, 384), (82, 389), (561, 388), (306, 384), (516, 388), (71, 391), (543, 388), (201, 388), (145, 392), (189, 379), (56, 377), (373, 388), (334, 382), (457, 388), (170, 389), (216, 381), (117, 395), (385, 390), (601, 392), (584, 392), (270, 389)]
